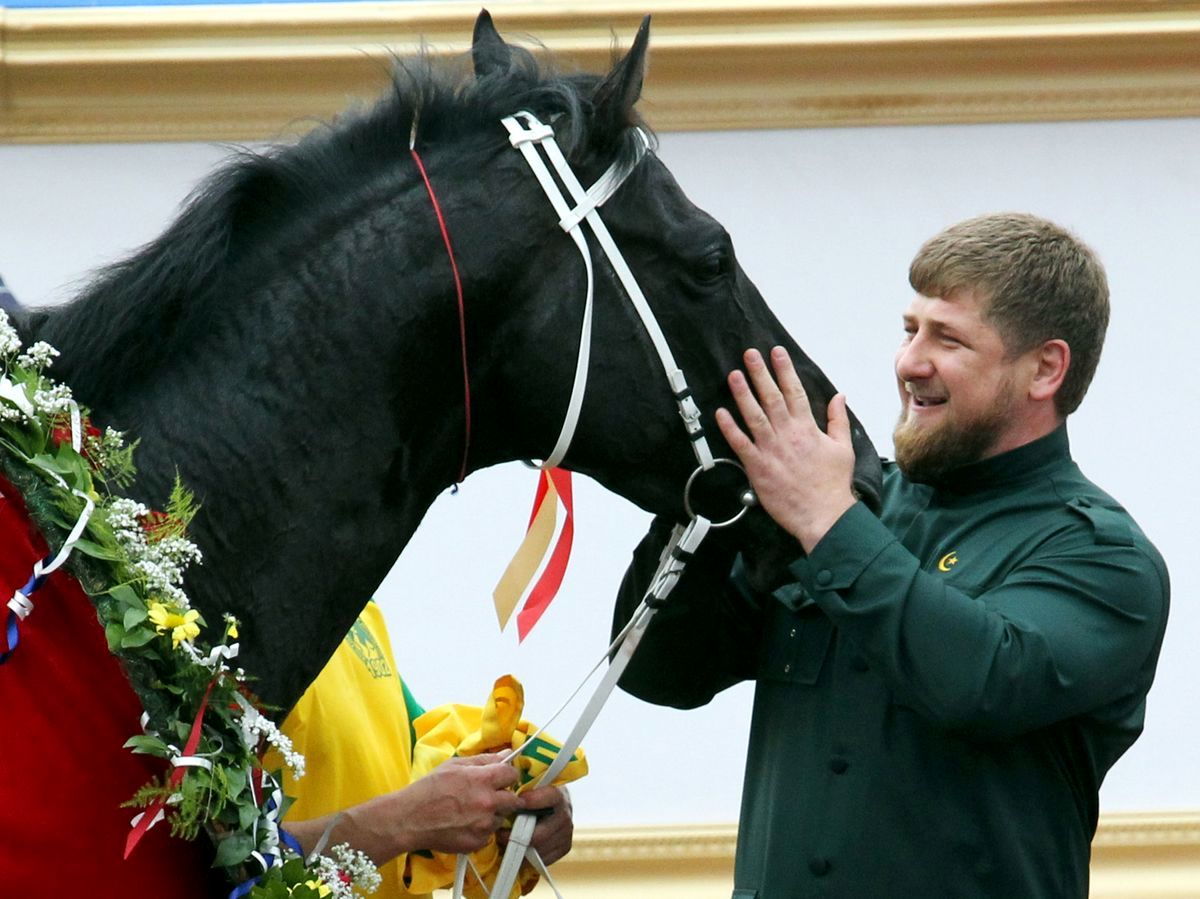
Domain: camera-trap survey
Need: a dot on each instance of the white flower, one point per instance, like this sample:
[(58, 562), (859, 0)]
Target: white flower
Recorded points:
[(15, 394), (125, 515), (255, 725), (363, 874), (10, 341), (38, 356), (54, 401)]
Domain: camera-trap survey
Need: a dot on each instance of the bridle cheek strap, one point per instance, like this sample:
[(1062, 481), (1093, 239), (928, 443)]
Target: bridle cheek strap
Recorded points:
[(527, 134)]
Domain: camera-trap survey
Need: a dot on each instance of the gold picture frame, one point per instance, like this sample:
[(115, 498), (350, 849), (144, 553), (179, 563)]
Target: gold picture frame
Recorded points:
[(253, 71)]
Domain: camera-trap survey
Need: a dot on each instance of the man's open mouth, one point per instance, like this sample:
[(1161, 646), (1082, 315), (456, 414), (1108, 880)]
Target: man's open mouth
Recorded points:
[(923, 401)]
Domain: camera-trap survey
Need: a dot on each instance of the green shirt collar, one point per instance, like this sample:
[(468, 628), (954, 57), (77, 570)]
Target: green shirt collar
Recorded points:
[(1027, 461)]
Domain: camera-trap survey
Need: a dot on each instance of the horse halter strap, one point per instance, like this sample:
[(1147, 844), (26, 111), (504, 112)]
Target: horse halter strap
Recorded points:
[(527, 134)]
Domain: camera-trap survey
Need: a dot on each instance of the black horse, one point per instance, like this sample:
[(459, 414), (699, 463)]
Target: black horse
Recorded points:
[(291, 344)]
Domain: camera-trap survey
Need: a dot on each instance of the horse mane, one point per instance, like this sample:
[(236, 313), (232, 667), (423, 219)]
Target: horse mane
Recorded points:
[(141, 311)]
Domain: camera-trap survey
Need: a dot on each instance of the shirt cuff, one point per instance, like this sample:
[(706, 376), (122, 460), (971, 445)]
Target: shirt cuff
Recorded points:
[(847, 548)]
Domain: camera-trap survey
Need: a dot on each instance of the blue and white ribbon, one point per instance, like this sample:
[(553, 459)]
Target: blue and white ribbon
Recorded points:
[(21, 604)]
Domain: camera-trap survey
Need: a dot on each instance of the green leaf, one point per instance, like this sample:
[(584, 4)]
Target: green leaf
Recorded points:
[(49, 464), (134, 617), (114, 634), (147, 745), (126, 596), (247, 815), (233, 850), (236, 778), (96, 551), (140, 637)]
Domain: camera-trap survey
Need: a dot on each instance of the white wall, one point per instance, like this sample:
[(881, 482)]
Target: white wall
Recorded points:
[(825, 222)]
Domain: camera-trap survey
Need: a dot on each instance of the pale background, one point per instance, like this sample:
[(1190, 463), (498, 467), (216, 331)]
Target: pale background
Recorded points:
[(825, 222)]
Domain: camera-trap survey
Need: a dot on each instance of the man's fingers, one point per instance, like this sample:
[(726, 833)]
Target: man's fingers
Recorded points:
[(499, 773), (790, 384), (839, 420), (770, 399), (484, 758), (741, 445), (748, 406)]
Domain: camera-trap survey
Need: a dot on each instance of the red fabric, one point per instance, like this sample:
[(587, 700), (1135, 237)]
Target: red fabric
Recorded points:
[(66, 708)]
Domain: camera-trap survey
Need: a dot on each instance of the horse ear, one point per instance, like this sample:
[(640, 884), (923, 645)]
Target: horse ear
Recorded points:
[(621, 89), (617, 94), (489, 53)]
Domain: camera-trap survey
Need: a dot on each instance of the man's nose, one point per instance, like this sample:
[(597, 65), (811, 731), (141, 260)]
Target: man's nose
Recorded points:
[(913, 361)]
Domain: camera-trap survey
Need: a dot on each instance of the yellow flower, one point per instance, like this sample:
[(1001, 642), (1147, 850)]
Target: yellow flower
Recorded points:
[(182, 627), (231, 626), (319, 886)]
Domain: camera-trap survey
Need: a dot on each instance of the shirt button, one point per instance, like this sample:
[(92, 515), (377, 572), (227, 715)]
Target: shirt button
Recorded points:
[(838, 765), (819, 866), (792, 633), (824, 577), (787, 669)]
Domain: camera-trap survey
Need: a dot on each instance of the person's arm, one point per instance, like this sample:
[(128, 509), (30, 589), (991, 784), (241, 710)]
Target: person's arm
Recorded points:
[(1074, 627), (457, 807)]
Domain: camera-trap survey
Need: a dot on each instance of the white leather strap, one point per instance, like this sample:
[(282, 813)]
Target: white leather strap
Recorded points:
[(526, 140), (527, 134), (679, 549)]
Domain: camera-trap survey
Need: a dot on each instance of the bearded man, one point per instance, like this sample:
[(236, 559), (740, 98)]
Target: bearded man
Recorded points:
[(942, 688)]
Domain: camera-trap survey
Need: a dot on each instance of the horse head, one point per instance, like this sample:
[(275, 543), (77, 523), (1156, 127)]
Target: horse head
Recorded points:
[(334, 331), (630, 437)]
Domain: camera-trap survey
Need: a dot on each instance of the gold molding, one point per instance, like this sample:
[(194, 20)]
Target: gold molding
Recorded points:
[(1117, 830), (242, 72), (1134, 856)]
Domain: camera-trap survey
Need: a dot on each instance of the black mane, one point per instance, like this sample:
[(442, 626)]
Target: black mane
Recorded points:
[(139, 312)]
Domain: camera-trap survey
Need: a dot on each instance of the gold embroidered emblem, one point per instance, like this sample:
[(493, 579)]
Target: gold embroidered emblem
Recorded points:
[(948, 561)]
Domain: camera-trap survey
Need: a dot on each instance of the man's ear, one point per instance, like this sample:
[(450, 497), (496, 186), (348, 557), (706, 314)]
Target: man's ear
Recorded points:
[(1053, 359)]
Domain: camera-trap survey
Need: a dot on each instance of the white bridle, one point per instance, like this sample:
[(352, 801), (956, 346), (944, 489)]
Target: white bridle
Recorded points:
[(529, 136), (536, 142)]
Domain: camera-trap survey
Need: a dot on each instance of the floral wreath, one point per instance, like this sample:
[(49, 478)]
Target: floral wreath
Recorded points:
[(130, 562)]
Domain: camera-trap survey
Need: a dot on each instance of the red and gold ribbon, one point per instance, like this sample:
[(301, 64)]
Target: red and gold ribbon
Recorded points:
[(554, 486)]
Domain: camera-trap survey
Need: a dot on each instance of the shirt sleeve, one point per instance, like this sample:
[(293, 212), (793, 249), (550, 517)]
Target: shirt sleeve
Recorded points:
[(1072, 628), (703, 640)]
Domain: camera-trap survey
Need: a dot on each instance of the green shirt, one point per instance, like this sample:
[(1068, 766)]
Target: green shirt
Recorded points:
[(939, 693)]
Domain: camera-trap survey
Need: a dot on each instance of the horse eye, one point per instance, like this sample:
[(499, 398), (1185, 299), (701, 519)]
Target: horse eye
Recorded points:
[(715, 264)]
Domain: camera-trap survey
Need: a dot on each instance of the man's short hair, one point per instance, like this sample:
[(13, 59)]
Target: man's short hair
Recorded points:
[(1037, 282)]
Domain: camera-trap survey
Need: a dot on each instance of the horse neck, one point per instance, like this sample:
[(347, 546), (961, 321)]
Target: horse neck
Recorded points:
[(313, 456)]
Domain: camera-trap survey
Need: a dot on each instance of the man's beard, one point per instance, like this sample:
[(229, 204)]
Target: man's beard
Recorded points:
[(928, 454)]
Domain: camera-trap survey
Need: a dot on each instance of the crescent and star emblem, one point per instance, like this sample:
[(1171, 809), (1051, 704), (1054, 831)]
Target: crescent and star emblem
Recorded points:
[(948, 561)]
